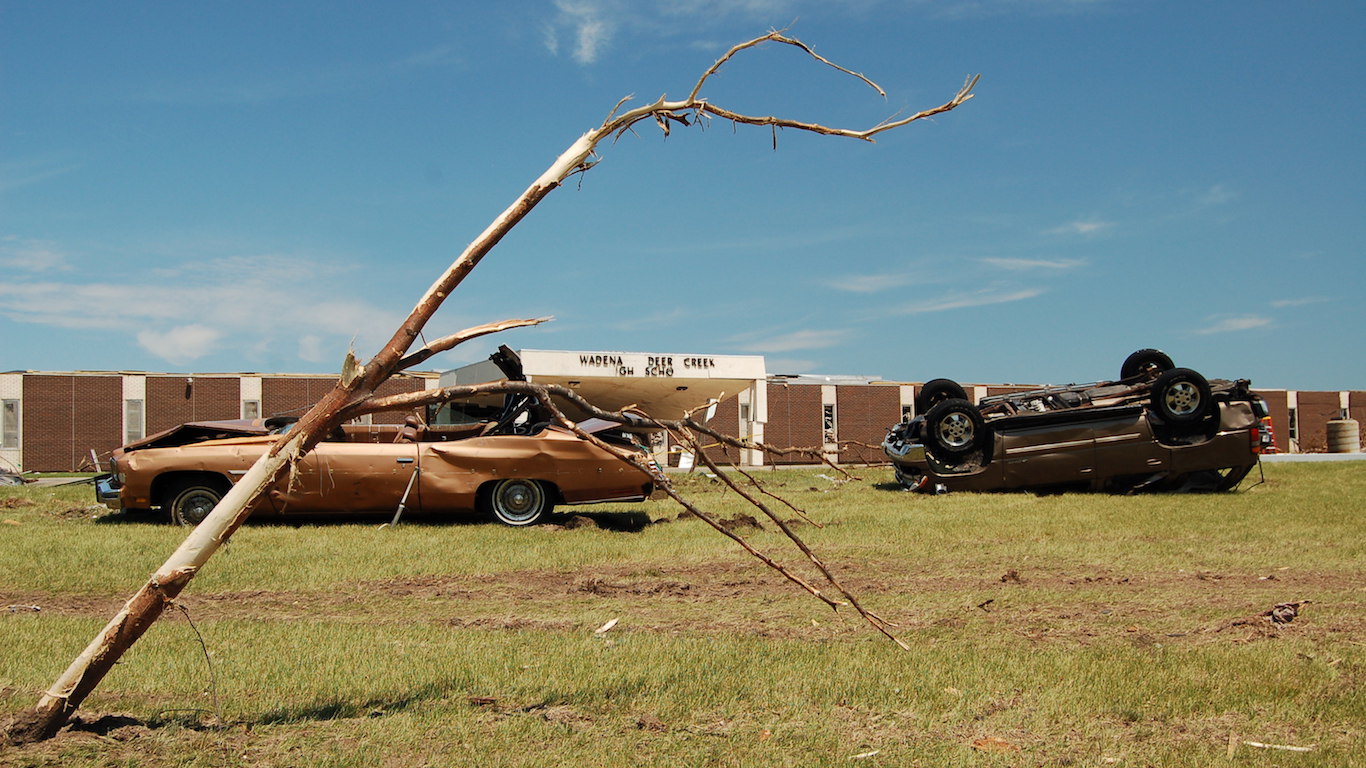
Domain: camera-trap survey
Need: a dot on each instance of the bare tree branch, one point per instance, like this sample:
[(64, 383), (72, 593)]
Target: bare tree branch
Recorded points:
[(357, 384)]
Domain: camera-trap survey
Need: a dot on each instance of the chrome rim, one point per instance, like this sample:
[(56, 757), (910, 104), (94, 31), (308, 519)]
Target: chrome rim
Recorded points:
[(518, 501), (1183, 398), (194, 509), (956, 430)]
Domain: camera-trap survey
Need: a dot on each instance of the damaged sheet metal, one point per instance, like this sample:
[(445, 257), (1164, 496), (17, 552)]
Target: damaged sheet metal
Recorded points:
[(1157, 428), (512, 468)]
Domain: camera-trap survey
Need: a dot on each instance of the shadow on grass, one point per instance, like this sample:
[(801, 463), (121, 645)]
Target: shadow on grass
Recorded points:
[(339, 709), (631, 521)]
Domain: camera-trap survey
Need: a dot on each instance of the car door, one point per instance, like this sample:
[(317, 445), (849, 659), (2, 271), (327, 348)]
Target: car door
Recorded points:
[(1043, 451), (352, 477)]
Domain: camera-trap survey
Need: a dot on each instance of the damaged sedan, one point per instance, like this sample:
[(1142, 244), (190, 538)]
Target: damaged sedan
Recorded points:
[(1157, 427), (514, 468)]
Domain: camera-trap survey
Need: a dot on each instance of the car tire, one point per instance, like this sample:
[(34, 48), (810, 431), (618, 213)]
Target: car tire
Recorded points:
[(516, 502), (1181, 397), (953, 429), (937, 391), (1144, 361), (193, 502)]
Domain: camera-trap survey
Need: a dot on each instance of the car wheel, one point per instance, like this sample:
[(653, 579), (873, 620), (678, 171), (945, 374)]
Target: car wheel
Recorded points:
[(517, 502), (1145, 361), (1181, 396), (936, 391), (193, 503), (954, 428)]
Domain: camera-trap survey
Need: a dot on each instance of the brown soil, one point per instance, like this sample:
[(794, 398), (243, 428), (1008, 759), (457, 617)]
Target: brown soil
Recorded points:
[(1038, 606)]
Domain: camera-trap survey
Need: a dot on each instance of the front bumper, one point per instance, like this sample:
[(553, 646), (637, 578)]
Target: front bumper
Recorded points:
[(107, 493)]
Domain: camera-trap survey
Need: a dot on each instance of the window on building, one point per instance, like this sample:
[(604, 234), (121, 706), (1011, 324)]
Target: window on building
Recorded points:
[(1294, 426), (828, 424), (251, 409), (744, 413), (907, 412), (9, 424), (134, 423)]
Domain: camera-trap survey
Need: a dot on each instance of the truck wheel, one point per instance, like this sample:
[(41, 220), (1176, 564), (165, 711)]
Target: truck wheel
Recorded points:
[(1145, 361), (1181, 396), (954, 428), (937, 391)]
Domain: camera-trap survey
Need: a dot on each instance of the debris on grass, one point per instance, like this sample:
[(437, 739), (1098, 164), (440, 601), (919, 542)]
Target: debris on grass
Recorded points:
[(1284, 613), (994, 744)]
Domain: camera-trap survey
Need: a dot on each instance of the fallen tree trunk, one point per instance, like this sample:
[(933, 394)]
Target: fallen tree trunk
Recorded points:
[(358, 383)]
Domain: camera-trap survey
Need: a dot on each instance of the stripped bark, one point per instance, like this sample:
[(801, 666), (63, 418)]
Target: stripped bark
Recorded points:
[(355, 389)]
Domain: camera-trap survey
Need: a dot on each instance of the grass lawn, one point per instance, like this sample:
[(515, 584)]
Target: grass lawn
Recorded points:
[(1073, 629)]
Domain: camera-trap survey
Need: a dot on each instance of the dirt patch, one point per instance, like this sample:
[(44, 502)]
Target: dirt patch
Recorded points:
[(1038, 606)]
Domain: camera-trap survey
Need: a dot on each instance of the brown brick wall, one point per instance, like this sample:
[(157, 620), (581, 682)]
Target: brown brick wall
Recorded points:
[(1315, 409), (794, 419), (174, 400), (292, 396), (64, 417), (994, 391), (862, 415), (727, 422), (1357, 410), (396, 386)]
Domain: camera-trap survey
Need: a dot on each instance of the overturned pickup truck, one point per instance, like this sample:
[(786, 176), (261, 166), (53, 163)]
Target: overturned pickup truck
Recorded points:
[(514, 468), (1158, 427)]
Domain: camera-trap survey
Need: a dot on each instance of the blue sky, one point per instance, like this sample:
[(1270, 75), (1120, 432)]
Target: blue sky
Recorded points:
[(252, 186)]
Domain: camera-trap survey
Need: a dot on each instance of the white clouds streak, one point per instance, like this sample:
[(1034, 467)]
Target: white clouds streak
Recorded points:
[(1300, 302), (181, 344), (1234, 323), (1082, 227), (31, 255), (589, 22), (788, 342), (870, 283), (220, 306), (1025, 264), (983, 297)]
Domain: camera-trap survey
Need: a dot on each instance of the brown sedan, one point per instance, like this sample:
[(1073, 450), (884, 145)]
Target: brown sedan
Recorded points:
[(515, 473)]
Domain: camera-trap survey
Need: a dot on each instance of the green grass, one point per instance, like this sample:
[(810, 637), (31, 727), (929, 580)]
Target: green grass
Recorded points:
[(1078, 629)]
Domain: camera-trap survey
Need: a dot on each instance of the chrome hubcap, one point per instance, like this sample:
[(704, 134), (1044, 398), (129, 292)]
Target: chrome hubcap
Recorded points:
[(956, 430), (1183, 398)]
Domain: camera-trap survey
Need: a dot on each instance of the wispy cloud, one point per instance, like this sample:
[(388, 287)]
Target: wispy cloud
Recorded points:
[(871, 283), (788, 342), (591, 25), (18, 174), (1218, 194), (220, 307), (180, 344), (31, 255), (1234, 323), (1027, 264), (1082, 227), (1300, 302), (964, 300)]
